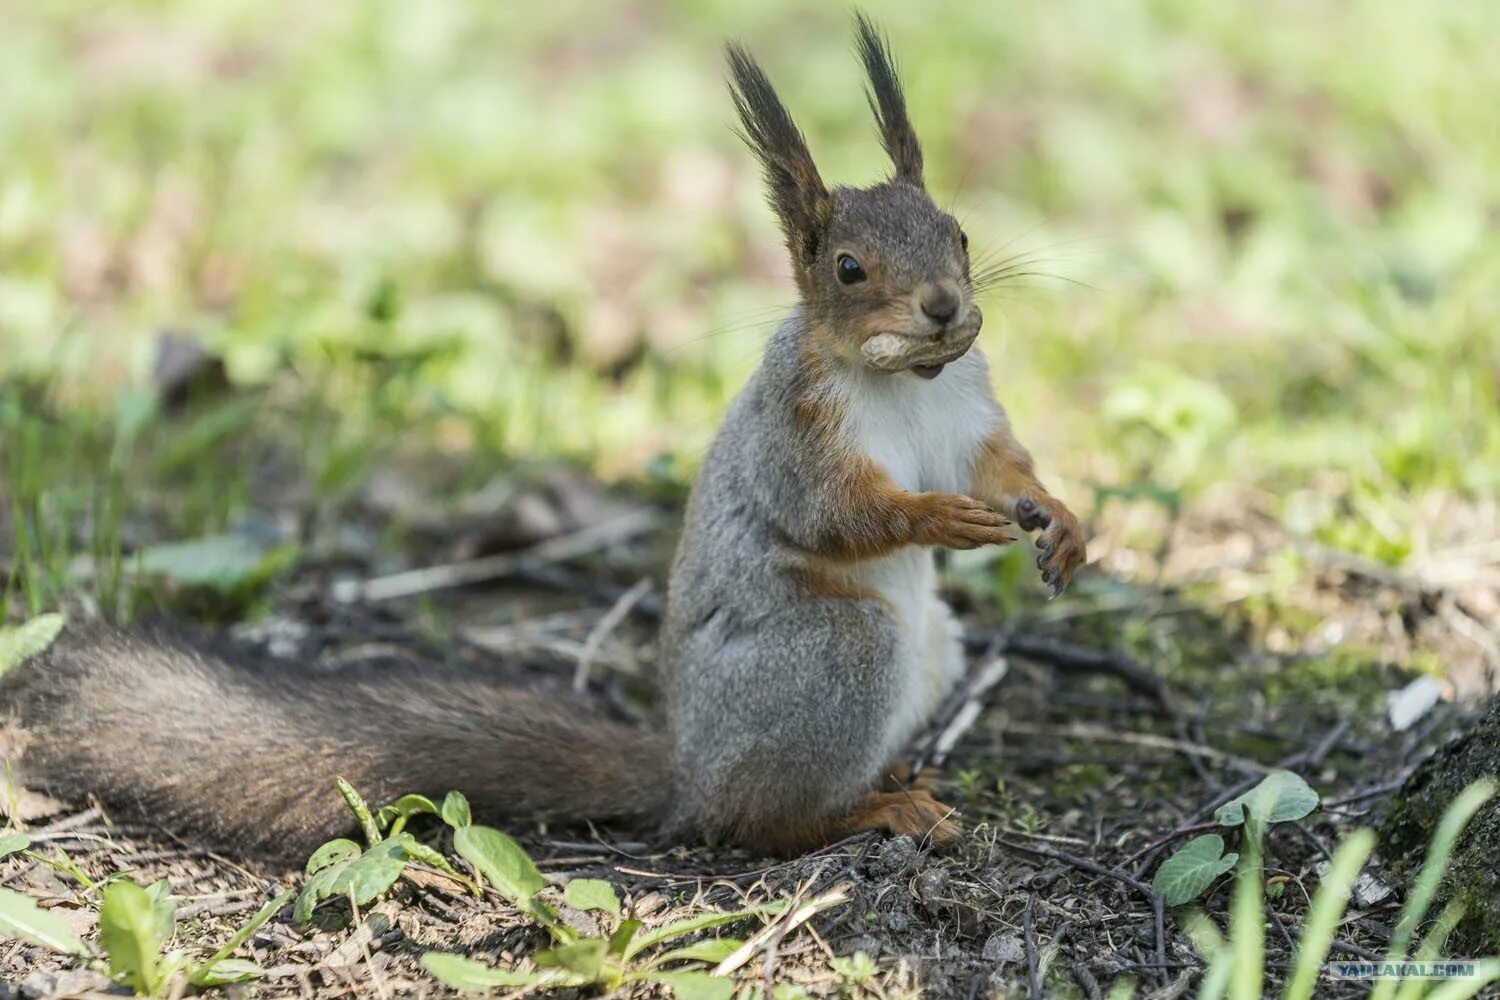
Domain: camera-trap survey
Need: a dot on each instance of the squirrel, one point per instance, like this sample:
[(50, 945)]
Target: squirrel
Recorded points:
[(803, 643)]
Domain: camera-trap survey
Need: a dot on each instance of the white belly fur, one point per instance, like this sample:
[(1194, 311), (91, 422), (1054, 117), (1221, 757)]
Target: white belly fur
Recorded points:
[(925, 434)]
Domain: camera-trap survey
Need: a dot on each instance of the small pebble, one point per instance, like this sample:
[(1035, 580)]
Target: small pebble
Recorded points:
[(1004, 949)]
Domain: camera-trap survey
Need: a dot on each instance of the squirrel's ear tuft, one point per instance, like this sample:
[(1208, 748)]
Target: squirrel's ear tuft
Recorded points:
[(796, 191), (888, 103)]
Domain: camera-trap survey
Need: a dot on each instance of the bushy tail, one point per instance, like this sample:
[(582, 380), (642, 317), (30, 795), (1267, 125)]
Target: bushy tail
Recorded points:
[(244, 755)]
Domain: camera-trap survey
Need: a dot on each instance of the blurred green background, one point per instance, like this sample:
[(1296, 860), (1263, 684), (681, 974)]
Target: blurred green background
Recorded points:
[(1261, 240)]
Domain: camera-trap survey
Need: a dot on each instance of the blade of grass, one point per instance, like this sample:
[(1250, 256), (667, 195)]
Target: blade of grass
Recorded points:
[(1247, 930), (1327, 907), (1461, 989), (1432, 945), (1455, 818)]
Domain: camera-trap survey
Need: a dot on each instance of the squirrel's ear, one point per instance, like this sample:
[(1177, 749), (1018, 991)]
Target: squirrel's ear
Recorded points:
[(795, 189), (888, 103)]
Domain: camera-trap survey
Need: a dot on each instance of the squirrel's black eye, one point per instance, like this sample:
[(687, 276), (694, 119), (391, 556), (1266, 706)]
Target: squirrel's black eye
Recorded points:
[(848, 270), (963, 240)]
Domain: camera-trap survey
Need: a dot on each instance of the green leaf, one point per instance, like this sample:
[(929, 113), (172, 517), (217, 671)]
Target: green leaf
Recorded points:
[(856, 968), (1192, 869), (1434, 867), (334, 852), (163, 910), (363, 878), (584, 958), (372, 873), (713, 951), (620, 940), (221, 562), (466, 974), (315, 891), (21, 643), (419, 851), (703, 921), (21, 918), (361, 810), (129, 933), (1247, 929), (1281, 796), (405, 807), (592, 894), (455, 811), (225, 971), (501, 861), (1327, 910), (693, 985), (10, 843)]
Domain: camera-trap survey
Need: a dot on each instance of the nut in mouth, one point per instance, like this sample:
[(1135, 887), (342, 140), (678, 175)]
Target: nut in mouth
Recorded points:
[(921, 354)]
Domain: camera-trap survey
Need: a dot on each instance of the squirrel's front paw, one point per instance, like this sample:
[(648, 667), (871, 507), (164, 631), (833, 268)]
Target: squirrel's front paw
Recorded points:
[(958, 522), (1061, 540)]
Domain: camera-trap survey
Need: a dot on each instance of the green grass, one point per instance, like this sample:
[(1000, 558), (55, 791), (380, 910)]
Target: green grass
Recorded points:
[(1264, 237)]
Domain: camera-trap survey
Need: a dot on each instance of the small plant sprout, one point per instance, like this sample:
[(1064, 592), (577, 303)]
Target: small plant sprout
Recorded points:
[(342, 869), (1236, 966), (1279, 798), (629, 953), (21, 642), (135, 925)]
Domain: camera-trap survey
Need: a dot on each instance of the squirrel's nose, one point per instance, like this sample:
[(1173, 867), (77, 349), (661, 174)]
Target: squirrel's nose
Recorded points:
[(940, 305)]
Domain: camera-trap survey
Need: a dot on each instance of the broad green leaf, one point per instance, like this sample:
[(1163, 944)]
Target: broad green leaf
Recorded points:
[(315, 890), (372, 873), (714, 951), (703, 921), (222, 562), (334, 852), (501, 861), (163, 910), (21, 918), (1281, 796), (364, 878), (128, 932), (225, 971), (466, 974), (251, 926), (1183, 877), (592, 894), (21, 643), (10, 843), (693, 985), (585, 958), (455, 810), (361, 810)]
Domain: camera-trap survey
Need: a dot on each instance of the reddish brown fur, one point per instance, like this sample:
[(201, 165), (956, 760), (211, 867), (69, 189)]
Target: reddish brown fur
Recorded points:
[(874, 515), (1005, 478)]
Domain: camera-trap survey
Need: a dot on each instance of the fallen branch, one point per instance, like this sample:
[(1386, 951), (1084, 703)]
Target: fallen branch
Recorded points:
[(554, 550), (1070, 658), (959, 715)]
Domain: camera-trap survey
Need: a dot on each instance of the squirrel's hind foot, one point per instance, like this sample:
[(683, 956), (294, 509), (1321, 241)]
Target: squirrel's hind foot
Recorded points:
[(912, 811)]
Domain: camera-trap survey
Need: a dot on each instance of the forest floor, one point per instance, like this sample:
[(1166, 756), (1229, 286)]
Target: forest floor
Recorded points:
[(1113, 721)]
